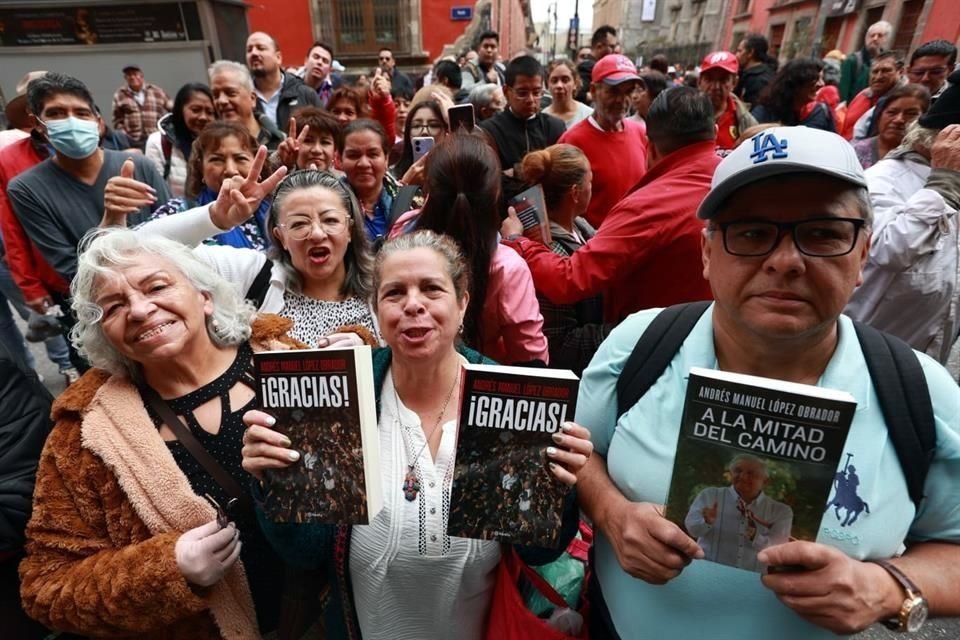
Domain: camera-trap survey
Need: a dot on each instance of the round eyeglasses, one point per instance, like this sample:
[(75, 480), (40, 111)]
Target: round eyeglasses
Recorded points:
[(301, 228)]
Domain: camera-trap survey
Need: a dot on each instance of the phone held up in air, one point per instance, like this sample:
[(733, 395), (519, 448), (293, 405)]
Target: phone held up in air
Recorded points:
[(421, 147), (461, 115)]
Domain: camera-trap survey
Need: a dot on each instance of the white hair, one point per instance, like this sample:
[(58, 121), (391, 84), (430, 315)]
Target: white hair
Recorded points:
[(881, 25), (105, 249), (229, 66)]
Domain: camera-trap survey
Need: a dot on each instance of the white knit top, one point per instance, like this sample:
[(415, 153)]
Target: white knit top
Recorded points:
[(411, 580)]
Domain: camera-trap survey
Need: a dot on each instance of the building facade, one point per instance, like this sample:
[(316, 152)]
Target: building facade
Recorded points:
[(417, 31), (685, 30)]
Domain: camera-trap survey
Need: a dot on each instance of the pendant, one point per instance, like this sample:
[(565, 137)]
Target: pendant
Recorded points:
[(411, 484)]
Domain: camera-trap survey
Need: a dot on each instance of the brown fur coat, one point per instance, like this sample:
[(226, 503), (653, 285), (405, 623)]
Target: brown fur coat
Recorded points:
[(109, 505)]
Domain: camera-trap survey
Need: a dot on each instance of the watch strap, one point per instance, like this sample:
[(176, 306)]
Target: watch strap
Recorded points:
[(898, 575), (913, 592)]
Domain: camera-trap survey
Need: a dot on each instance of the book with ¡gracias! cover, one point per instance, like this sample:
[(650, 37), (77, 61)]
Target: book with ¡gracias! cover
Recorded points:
[(758, 463), (323, 401), (502, 488)]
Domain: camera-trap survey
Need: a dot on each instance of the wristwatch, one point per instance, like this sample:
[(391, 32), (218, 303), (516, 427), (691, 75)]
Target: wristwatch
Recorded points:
[(914, 610)]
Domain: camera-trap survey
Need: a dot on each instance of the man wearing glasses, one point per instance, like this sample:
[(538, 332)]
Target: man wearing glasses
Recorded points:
[(930, 65), (784, 245), (521, 128)]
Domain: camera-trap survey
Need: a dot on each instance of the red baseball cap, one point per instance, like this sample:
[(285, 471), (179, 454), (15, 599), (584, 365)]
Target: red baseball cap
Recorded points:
[(720, 60), (614, 69)]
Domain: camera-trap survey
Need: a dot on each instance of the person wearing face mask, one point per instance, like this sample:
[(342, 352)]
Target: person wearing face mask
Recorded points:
[(60, 199)]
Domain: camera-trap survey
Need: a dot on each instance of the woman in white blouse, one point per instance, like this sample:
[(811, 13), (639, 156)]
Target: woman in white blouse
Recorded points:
[(402, 577)]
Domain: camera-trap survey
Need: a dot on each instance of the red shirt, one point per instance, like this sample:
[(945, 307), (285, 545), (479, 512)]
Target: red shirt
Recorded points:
[(861, 103), (618, 160), (647, 253), (728, 130), (30, 271)]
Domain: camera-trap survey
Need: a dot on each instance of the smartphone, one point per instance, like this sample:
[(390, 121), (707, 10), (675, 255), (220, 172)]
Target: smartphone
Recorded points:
[(421, 147), (461, 115)]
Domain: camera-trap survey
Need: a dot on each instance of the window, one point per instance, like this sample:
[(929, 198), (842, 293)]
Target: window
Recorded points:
[(365, 25), (743, 6)]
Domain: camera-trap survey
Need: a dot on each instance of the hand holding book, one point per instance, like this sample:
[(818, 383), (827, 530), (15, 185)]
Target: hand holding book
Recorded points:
[(859, 593), (264, 448)]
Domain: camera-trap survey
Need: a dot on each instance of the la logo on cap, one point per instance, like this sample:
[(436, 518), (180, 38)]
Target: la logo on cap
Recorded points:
[(765, 144), (717, 58)]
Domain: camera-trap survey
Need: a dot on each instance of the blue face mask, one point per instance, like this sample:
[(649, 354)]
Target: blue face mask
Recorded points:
[(73, 137)]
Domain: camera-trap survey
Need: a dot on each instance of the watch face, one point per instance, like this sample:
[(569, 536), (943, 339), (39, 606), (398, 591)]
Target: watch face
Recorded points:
[(918, 615)]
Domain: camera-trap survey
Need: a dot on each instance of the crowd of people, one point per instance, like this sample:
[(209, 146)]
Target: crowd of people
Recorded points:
[(812, 205)]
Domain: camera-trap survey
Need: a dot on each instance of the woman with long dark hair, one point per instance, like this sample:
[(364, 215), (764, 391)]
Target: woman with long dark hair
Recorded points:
[(426, 118), (503, 318), (169, 146), (791, 98)]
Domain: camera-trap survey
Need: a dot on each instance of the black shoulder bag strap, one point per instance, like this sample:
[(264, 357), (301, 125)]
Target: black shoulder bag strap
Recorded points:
[(654, 351), (901, 388), (201, 455), (260, 285), (402, 203)]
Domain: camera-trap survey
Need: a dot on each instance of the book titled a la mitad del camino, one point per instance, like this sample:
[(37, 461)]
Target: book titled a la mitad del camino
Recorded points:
[(757, 464), (324, 403), (502, 488)]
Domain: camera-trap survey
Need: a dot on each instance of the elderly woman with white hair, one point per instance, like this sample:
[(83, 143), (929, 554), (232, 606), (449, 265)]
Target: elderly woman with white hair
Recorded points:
[(134, 531)]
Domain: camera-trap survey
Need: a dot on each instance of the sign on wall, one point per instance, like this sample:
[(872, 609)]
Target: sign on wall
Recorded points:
[(98, 25), (461, 13), (648, 11)]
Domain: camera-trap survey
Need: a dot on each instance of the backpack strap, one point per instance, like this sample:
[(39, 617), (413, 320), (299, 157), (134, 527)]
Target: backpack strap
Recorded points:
[(167, 147), (654, 351), (258, 288), (901, 388)]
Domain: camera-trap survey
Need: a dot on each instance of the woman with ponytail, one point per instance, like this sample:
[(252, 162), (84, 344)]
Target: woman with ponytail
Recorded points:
[(503, 320), (574, 331)]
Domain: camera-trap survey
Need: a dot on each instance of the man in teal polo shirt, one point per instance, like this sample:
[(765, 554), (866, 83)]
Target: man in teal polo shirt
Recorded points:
[(779, 295)]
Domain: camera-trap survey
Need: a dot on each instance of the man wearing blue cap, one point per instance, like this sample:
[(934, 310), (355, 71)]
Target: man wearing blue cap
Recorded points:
[(786, 238)]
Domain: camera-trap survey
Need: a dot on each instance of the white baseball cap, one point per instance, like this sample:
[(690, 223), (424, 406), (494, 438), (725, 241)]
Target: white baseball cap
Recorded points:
[(781, 151)]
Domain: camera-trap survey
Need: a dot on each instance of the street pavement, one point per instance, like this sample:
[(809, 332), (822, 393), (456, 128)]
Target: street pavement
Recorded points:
[(938, 629)]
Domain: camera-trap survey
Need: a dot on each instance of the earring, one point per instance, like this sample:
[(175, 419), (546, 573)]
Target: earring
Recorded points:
[(215, 324), (460, 330)]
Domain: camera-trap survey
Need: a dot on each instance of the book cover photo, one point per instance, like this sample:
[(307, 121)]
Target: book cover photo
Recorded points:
[(757, 460), (531, 209), (324, 403), (502, 488)]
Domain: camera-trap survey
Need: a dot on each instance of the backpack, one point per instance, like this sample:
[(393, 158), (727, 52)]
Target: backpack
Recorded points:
[(894, 368)]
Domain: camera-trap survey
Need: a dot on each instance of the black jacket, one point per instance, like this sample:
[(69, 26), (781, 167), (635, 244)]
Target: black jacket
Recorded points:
[(515, 137), (753, 80), (24, 425), (293, 94)]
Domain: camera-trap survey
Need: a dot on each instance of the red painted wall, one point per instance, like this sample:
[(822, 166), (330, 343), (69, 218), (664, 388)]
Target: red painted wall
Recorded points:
[(288, 21), (943, 21), (436, 27)]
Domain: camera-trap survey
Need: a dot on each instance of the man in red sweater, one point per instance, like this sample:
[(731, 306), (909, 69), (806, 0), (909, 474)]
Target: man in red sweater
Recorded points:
[(616, 146), (647, 253)]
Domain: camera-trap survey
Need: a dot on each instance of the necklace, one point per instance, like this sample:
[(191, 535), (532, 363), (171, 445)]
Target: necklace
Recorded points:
[(411, 483)]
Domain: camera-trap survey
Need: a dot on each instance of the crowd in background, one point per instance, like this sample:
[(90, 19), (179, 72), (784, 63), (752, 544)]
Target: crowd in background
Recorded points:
[(289, 179)]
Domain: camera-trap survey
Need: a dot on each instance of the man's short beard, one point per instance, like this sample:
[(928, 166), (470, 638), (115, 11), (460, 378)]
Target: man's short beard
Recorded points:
[(261, 73)]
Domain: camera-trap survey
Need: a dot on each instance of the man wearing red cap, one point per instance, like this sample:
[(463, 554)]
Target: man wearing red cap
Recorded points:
[(718, 77), (608, 134)]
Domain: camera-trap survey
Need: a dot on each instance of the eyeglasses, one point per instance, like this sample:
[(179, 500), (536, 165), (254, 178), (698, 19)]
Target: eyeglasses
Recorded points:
[(817, 237), (434, 126), (523, 94), (385, 58), (301, 228), (933, 72)]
